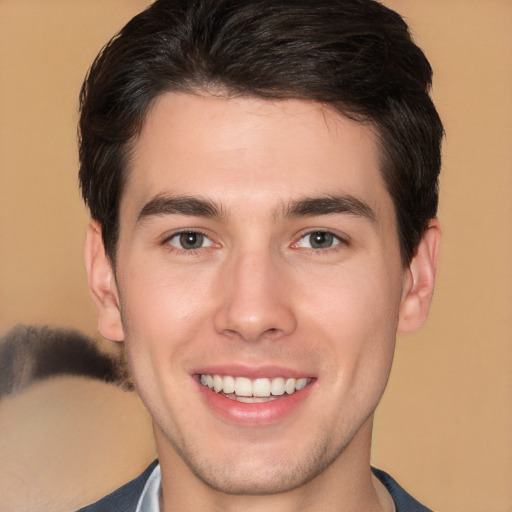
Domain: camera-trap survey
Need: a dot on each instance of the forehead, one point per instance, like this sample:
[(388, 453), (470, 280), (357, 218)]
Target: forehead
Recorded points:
[(245, 150)]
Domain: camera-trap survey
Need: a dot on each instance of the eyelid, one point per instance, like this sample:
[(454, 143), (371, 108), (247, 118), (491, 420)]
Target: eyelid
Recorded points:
[(340, 239), (166, 240)]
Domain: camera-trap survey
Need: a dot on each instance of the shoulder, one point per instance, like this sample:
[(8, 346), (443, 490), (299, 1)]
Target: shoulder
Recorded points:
[(125, 498), (404, 502)]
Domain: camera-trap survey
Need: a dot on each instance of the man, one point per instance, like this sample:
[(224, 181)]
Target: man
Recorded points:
[(262, 179)]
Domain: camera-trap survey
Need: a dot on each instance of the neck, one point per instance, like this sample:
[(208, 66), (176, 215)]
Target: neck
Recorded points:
[(347, 485)]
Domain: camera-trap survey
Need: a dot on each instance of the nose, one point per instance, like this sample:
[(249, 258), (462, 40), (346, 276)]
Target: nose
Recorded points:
[(256, 299)]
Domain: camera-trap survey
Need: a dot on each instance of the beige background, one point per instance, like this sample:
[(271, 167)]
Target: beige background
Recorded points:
[(444, 428)]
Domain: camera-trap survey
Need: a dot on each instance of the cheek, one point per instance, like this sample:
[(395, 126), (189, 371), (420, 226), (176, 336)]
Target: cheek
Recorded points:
[(156, 298), (167, 317), (160, 320), (357, 311)]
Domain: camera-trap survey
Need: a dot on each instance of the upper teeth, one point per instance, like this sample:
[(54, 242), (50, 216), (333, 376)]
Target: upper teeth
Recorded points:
[(242, 386)]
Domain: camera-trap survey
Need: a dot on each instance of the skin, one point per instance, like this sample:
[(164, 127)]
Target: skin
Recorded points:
[(257, 297)]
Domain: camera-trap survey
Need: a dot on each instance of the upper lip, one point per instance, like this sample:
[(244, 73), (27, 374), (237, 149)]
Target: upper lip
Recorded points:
[(253, 371)]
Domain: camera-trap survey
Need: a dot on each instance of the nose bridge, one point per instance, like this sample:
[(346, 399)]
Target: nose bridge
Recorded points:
[(255, 303)]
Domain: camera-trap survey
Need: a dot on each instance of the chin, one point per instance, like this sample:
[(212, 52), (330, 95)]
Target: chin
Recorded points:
[(266, 481), (250, 474)]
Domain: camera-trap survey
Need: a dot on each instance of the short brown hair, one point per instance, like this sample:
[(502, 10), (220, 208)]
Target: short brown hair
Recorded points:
[(356, 56)]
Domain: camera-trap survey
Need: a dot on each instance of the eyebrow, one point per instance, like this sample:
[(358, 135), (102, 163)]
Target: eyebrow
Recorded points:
[(330, 204), (308, 207), (179, 205)]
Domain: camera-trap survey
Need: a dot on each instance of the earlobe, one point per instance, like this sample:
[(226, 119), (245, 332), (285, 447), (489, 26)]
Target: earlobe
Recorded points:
[(420, 279), (102, 285)]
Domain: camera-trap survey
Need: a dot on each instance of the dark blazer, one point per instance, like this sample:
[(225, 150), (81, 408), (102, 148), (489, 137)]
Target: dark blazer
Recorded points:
[(126, 497), (404, 502)]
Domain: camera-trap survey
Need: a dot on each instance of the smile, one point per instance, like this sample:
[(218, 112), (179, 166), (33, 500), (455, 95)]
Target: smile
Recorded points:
[(247, 390)]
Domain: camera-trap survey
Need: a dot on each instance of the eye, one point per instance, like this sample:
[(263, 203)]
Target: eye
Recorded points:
[(318, 240), (189, 240)]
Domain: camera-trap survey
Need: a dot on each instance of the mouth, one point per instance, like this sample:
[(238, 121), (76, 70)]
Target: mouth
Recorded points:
[(243, 389)]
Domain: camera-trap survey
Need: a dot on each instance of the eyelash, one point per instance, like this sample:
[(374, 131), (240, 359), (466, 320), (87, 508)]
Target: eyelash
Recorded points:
[(339, 242), (187, 252)]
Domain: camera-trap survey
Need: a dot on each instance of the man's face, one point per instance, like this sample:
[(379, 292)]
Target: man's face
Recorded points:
[(258, 252)]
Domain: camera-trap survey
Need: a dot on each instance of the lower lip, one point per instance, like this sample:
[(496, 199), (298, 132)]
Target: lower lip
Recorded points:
[(260, 413)]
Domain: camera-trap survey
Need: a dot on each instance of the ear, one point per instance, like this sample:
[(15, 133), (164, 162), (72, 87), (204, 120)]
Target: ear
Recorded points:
[(102, 285), (419, 281)]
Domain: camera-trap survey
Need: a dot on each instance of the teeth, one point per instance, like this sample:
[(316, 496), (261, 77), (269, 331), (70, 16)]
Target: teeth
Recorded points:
[(289, 387), (243, 387), (253, 399), (261, 387), (301, 384), (277, 386), (251, 390), (217, 383), (228, 384)]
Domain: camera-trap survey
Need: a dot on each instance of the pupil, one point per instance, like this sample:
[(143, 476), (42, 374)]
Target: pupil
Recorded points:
[(321, 240), (191, 240)]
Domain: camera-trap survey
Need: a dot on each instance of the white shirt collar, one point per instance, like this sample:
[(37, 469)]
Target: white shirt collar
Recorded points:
[(149, 500)]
